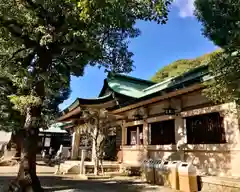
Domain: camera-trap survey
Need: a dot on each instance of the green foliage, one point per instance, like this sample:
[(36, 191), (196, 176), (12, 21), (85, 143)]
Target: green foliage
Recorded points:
[(181, 66), (74, 33), (10, 119), (220, 20), (44, 42), (225, 86), (21, 103)]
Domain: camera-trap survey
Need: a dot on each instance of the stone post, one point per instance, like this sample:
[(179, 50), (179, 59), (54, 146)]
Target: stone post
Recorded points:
[(75, 143), (83, 156)]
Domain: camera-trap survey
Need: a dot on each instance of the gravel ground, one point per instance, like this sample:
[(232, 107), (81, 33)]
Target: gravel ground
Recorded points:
[(53, 183), (68, 184)]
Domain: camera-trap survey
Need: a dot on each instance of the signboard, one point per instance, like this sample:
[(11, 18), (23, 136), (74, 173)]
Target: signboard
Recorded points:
[(47, 142)]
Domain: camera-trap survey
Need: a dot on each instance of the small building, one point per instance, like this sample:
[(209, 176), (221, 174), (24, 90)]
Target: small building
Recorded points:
[(53, 137), (169, 120)]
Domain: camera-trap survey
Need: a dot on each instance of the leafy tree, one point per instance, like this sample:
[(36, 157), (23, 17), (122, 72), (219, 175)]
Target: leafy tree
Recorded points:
[(220, 20), (181, 66), (44, 41), (97, 124), (10, 119)]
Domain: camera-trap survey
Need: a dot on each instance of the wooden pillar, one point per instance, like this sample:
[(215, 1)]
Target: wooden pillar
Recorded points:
[(124, 139), (138, 136), (180, 135), (145, 135)]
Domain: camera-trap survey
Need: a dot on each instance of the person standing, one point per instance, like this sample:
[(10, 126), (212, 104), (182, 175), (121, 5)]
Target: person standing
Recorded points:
[(43, 153)]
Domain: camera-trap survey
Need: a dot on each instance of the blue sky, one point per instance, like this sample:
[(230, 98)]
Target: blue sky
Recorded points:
[(157, 46)]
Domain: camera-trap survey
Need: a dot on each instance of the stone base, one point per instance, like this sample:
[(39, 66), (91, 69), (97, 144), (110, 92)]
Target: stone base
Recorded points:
[(219, 184), (93, 177), (82, 177), (8, 162)]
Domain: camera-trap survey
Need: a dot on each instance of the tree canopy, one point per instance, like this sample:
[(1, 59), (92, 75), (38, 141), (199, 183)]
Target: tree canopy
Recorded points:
[(181, 66), (220, 20), (44, 42), (44, 38)]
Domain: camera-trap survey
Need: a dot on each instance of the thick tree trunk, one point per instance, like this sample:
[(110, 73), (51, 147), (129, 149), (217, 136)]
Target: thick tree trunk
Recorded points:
[(16, 138), (27, 180), (18, 142)]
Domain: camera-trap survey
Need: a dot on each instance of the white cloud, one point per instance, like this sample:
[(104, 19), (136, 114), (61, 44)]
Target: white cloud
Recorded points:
[(186, 7)]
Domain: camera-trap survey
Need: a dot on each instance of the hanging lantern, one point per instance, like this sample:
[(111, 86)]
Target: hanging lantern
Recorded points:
[(169, 111), (138, 115)]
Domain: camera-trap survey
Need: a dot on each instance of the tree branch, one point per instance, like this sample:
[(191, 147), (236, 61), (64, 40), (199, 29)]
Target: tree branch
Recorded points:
[(41, 12), (16, 52), (15, 29)]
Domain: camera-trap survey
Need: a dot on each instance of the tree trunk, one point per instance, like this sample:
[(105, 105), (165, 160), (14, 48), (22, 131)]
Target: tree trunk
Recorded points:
[(27, 180), (17, 138)]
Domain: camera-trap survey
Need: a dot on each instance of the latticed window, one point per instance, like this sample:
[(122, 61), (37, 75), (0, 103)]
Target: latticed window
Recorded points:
[(205, 129), (162, 133)]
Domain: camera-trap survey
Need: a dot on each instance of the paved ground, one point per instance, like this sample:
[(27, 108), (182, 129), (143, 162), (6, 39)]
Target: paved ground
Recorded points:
[(53, 183)]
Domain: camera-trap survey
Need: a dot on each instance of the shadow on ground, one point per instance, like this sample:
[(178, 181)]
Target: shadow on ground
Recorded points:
[(67, 184)]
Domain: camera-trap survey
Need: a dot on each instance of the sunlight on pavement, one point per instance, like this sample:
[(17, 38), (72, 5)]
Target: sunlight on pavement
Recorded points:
[(73, 190), (111, 182)]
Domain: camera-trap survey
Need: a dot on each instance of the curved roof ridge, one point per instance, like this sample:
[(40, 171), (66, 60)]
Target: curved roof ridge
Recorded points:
[(111, 74), (158, 84), (96, 98), (184, 76), (78, 100)]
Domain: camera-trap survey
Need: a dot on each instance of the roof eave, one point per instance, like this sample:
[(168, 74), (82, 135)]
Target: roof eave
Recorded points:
[(134, 103), (105, 85), (103, 102), (68, 115)]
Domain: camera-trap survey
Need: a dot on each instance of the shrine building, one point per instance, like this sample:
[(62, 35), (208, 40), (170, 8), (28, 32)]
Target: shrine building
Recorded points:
[(170, 120)]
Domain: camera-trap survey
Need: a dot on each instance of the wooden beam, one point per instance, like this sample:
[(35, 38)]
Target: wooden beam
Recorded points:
[(159, 98), (69, 114)]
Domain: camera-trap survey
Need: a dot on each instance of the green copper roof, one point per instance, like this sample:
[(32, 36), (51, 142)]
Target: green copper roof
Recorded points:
[(55, 128), (199, 72), (81, 101), (128, 86), (139, 89)]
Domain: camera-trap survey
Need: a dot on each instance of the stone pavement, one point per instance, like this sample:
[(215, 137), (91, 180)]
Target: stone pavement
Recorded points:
[(52, 183)]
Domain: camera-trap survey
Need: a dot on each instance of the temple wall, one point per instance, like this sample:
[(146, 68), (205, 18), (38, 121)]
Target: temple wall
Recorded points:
[(214, 159), (193, 99), (132, 155)]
